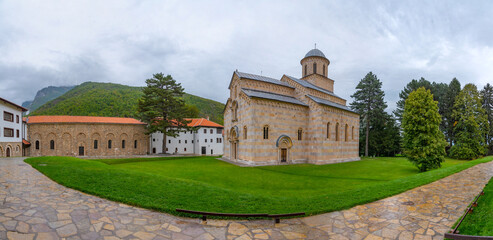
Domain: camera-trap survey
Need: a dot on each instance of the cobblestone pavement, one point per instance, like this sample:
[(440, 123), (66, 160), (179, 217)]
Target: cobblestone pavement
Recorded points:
[(34, 207)]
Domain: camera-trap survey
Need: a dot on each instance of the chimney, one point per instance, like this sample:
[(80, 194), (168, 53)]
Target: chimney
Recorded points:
[(207, 117)]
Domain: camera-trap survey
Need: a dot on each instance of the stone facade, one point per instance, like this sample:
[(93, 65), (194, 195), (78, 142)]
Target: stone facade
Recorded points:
[(87, 139), (10, 149), (291, 120)]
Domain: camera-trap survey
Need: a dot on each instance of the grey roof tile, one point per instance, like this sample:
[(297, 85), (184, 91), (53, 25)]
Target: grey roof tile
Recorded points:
[(309, 85), (315, 53), (272, 96), (261, 78), (329, 103)]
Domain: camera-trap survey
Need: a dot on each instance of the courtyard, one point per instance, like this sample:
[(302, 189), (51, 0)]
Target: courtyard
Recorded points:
[(34, 206)]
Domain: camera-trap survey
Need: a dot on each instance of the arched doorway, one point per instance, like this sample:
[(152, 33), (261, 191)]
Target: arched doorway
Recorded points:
[(283, 145), (8, 152), (233, 140)]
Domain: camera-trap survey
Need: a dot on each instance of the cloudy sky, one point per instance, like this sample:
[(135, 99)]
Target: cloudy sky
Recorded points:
[(201, 43)]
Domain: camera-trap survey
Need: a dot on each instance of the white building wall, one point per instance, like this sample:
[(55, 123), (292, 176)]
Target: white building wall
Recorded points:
[(189, 142), (16, 125)]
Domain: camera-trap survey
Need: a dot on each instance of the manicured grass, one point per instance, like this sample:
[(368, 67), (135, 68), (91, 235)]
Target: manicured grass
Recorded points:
[(480, 221), (207, 184)]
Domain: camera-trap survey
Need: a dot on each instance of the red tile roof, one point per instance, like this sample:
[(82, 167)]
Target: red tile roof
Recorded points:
[(202, 122), (25, 142), (81, 119)]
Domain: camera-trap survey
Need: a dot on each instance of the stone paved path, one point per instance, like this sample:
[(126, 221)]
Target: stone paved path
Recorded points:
[(34, 207)]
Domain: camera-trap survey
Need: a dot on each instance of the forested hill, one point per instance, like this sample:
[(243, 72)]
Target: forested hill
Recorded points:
[(45, 95), (115, 100)]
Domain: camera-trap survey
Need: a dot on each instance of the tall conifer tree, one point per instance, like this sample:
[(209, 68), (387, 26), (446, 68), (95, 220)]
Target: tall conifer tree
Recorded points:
[(423, 142), (487, 97), (369, 103), (162, 107), (471, 126), (447, 115)]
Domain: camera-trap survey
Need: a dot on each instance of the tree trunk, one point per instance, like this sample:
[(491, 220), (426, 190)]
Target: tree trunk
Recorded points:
[(367, 132), (164, 144)]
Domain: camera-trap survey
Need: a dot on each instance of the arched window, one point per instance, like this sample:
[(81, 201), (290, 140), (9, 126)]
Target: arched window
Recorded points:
[(306, 70), (235, 111), (266, 132), (337, 131), (323, 69), (328, 130), (314, 67), (346, 133), (123, 143), (135, 143), (300, 134), (52, 144), (245, 132), (352, 133), (95, 144), (109, 144), (37, 145)]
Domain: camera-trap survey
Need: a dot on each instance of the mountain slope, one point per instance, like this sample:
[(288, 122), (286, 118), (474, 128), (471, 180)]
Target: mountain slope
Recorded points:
[(45, 95), (109, 99)]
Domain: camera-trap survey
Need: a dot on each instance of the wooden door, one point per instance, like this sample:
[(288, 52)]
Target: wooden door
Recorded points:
[(284, 154), (8, 152), (81, 151)]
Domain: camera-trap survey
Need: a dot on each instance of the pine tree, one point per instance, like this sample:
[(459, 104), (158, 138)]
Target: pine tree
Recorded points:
[(472, 124), (369, 103), (162, 107), (487, 96), (423, 142), (447, 115)]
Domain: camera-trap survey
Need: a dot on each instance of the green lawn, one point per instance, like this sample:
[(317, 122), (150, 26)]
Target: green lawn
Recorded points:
[(207, 184), (480, 221)]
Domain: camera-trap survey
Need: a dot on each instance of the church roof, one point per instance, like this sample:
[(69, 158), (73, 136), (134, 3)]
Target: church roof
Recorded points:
[(329, 103), (315, 53), (261, 78), (272, 96), (202, 122), (309, 85), (81, 119)]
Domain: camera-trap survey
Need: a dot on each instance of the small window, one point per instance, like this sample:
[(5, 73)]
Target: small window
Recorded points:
[(17, 133), (95, 144), (185, 149), (205, 130), (352, 133), (179, 141), (212, 151), (306, 70), (205, 140), (17, 118), (328, 130), (37, 145), (153, 139), (300, 134), (323, 69), (9, 117), (211, 131), (266, 132), (123, 143), (219, 131), (109, 144), (176, 150), (314, 67), (8, 132), (190, 132), (166, 149), (244, 132), (135, 143), (346, 133), (185, 141), (337, 131), (192, 141), (52, 144), (169, 141), (211, 140)]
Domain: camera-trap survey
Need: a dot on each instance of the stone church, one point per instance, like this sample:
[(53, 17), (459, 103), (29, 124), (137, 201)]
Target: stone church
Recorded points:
[(291, 120)]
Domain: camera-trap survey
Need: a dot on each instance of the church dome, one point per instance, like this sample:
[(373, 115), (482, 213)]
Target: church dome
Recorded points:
[(315, 53)]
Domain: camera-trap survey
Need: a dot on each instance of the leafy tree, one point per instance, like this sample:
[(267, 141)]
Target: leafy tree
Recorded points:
[(384, 137), (162, 107), (447, 114), (487, 96), (369, 103), (192, 111), (411, 86), (423, 142), (472, 124)]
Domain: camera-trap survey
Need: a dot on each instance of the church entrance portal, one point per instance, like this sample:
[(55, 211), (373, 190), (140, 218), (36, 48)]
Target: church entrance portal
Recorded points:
[(233, 138), (81, 151), (284, 154), (284, 144)]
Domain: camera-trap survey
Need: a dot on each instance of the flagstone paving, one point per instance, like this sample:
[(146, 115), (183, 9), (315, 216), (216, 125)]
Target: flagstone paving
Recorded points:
[(34, 207)]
